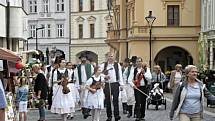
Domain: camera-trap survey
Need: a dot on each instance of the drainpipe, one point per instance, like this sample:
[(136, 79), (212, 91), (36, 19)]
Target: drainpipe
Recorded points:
[(8, 24), (126, 15)]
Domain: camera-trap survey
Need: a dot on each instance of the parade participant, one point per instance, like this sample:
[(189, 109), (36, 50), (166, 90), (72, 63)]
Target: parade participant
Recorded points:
[(122, 94), (63, 102), (141, 76), (48, 74), (175, 77), (158, 77), (41, 90), (84, 71), (113, 81), (128, 87), (73, 85), (3, 103), (22, 99), (189, 97), (95, 96)]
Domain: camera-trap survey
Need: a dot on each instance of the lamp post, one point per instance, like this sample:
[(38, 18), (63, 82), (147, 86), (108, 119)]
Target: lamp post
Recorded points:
[(150, 20), (36, 36), (27, 41)]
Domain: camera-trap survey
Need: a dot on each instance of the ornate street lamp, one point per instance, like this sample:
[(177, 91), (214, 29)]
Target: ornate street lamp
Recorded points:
[(150, 20), (36, 36)]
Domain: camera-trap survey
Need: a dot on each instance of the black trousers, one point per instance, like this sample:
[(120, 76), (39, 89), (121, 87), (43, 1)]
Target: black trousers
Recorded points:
[(115, 95), (140, 102)]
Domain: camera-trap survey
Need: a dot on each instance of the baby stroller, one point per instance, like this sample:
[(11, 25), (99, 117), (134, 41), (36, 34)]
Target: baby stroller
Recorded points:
[(156, 96)]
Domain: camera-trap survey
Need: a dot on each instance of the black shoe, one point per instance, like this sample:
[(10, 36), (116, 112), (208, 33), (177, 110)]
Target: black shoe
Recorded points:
[(117, 118), (109, 119)]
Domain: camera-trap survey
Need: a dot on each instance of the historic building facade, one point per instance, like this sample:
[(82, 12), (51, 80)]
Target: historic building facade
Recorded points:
[(174, 32), (49, 22), (89, 22), (208, 30), (13, 22)]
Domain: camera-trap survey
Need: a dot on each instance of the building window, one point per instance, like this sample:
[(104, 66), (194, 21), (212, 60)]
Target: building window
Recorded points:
[(32, 30), (173, 15), (92, 30), (1, 42), (92, 2), (43, 34), (32, 6), (60, 30), (45, 6), (48, 30), (80, 27), (80, 5), (60, 5)]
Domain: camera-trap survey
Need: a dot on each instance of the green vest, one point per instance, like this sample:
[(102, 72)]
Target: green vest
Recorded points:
[(87, 70)]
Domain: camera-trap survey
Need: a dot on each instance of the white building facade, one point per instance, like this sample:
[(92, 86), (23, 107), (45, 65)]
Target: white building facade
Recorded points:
[(89, 22), (13, 22), (49, 20), (208, 29)]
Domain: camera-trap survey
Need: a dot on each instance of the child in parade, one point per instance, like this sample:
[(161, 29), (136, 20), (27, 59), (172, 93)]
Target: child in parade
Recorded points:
[(22, 99), (95, 96)]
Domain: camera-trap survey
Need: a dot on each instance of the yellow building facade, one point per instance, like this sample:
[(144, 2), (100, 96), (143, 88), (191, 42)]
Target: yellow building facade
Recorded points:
[(174, 32)]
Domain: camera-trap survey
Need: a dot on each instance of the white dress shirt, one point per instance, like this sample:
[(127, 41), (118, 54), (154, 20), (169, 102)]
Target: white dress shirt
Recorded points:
[(147, 74), (112, 73)]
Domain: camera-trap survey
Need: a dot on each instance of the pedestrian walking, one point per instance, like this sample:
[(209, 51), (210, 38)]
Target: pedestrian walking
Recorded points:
[(175, 77), (141, 76), (73, 84), (41, 90), (95, 94), (63, 102), (157, 77), (22, 99), (84, 71), (113, 84), (128, 87), (189, 97)]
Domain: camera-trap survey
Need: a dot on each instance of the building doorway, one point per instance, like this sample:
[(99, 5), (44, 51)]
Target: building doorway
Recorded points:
[(92, 57), (168, 57)]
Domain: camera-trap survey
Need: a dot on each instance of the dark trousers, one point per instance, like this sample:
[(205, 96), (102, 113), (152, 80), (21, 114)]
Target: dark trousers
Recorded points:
[(50, 93), (140, 102), (115, 94)]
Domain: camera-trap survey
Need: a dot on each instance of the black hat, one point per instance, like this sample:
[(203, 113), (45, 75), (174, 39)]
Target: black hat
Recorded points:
[(127, 60), (83, 55), (133, 59)]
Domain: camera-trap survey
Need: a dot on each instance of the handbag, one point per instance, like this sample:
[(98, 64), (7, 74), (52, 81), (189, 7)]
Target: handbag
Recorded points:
[(39, 103)]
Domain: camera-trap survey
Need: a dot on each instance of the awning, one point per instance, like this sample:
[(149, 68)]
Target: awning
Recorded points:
[(8, 55)]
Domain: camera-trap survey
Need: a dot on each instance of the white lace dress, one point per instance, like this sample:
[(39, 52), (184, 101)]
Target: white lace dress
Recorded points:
[(62, 103), (96, 100)]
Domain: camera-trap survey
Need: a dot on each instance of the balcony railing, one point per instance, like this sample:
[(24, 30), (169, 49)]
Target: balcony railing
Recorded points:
[(113, 35)]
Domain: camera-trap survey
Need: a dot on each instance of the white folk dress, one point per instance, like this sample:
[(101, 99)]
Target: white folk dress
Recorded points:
[(62, 103), (96, 100), (73, 86)]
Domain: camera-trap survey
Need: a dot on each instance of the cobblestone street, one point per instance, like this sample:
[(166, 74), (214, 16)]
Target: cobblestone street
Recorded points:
[(151, 115)]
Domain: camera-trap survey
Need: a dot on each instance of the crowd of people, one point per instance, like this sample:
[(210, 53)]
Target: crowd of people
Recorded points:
[(97, 87)]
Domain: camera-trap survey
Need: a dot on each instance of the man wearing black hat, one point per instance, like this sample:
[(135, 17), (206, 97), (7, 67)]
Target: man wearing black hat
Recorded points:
[(84, 71), (129, 89)]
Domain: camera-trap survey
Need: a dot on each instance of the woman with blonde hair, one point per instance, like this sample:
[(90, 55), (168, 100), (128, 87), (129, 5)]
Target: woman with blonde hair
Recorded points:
[(175, 77), (189, 97)]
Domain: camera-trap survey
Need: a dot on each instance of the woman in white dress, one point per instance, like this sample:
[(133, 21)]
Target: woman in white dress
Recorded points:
[(73, 84), (95, 95), (62, 103)]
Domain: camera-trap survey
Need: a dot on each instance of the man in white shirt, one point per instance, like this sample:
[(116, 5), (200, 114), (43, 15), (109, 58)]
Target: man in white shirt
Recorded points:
[(84, 71), (113, 80), (138, 79)]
